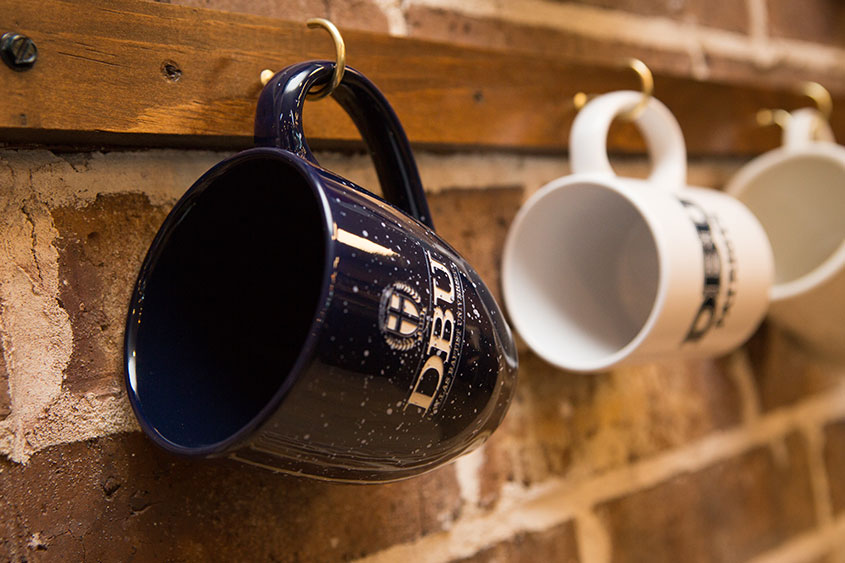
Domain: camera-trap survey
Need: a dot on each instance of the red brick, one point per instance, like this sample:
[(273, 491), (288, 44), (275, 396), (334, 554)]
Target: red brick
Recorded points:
[(101, 247), (358, 14), (498, 466), (443, 25), (819, 21), (120, 499), (834, 457), (5, 398), (730, 511), (492, 33), (784, 371), (725, 14), (563, 423), (475, 223), (669, 8), (557, 544)]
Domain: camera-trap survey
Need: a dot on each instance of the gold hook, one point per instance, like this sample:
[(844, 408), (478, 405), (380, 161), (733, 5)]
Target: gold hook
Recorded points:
[(340, 52), (820, 95), (647, 88), (777, 117), (265, 76), (814, 91), (340, 66)]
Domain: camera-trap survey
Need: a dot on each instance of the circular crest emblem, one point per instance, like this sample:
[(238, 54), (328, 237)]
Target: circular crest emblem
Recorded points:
[(400, 316)]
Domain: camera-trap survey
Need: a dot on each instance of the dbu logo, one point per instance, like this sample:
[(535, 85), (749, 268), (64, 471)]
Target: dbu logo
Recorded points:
[(445, 331), (404, 322), (718, 270), (400, 316)]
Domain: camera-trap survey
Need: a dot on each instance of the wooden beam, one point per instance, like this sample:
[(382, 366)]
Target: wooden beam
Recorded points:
[(136, 73)]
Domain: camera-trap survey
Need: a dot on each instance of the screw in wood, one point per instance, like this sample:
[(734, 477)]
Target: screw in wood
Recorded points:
[(18, 51)]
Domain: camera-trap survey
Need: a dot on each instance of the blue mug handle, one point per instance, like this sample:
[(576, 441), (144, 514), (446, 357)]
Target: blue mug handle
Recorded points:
[(278, 123)]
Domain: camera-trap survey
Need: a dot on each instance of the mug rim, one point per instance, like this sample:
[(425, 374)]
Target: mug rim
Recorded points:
[(828, 150), (241, 436), (615, 184)]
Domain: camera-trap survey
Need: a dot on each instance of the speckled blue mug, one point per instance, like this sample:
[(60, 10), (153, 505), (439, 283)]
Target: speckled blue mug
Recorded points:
[(287, 318)]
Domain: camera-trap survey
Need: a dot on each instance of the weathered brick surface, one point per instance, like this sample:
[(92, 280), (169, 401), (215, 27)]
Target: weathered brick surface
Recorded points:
[(785, 372), (668, 8), (122, 499), (118, 498), (443, 25), (725, 14), (821, 21), (476, 223), (557, 544), (834, 457), (5, 398), (564, 423), (727, 512), (500, 33), (101, 246)]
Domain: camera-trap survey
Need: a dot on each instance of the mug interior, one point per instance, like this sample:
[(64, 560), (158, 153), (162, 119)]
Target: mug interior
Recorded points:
[(800, 202), (226, 305), (583, 277)]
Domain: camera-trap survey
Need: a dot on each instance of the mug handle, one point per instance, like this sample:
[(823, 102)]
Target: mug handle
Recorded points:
[(588, 138), (278, 122), (805, 126)]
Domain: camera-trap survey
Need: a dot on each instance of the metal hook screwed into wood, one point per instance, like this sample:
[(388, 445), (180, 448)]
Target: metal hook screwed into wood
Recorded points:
[(340, 58), (813, 90), (647, 87)]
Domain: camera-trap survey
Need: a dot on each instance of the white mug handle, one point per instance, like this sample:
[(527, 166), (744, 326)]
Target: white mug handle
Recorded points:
[(588, 138), (805, 126)]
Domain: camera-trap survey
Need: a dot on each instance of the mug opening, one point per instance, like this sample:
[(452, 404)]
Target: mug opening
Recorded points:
[(584, 282), (224, 307), (799, 203)]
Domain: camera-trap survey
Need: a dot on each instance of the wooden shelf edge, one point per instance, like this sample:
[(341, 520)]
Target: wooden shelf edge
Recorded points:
[(99, 81)]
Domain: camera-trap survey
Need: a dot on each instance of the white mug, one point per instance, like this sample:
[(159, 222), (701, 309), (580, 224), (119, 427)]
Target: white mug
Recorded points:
[(600, 270), (798, 193)]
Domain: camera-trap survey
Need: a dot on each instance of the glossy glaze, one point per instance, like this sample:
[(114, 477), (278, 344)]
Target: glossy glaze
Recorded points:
[(304, 334)]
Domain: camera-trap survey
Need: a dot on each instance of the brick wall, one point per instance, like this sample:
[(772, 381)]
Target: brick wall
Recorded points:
[(740, 458)]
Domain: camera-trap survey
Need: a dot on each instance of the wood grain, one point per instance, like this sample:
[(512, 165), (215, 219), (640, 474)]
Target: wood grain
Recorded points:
[(102, 79)]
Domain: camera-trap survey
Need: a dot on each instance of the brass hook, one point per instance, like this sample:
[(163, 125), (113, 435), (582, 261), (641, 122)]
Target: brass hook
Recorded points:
[(820, 95), (813, 90), (647, 88), (778, 117), (340, 66)]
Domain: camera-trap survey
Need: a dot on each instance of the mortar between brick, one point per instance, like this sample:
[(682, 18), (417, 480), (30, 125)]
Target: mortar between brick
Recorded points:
[(554, 501), (809, 546), (814, 435)]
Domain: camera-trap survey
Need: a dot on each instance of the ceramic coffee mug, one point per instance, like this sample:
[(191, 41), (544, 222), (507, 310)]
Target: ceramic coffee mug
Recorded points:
[(290, 319), (600, 270), (798, 193)]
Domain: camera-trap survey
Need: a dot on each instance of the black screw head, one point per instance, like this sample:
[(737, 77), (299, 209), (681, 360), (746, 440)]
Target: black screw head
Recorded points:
[(18, 51)]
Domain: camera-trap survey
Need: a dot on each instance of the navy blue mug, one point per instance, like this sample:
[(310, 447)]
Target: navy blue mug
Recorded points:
[(287, 318)]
